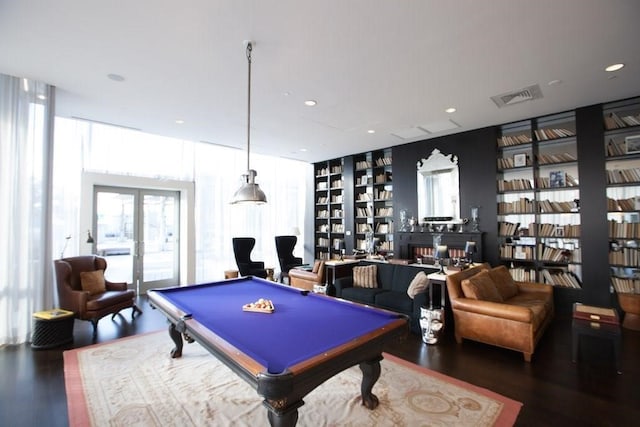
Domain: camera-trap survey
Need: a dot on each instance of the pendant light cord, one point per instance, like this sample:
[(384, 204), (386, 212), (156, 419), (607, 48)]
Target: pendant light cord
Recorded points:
[(249, 49)]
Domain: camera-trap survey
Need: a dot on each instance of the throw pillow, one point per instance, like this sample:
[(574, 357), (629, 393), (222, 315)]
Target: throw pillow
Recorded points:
[(504, 282), (419, 284), (365, 276), (481, 287), (93, 282)]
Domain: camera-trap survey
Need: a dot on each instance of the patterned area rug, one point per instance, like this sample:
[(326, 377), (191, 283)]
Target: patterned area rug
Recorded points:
[(134, 382)]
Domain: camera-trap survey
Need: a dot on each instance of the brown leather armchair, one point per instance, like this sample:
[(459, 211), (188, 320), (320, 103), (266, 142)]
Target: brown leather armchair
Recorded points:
[(87, 306), (305, 279)]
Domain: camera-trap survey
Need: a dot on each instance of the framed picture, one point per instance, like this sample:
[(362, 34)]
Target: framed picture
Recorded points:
[(559, 231), (520, 160), (557, 179), (632, 144)]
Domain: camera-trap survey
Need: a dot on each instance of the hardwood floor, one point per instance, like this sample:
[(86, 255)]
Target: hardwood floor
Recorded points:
[(553, 390)]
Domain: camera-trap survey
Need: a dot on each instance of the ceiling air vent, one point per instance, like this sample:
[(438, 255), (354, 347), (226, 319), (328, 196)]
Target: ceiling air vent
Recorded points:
[(528, 93)]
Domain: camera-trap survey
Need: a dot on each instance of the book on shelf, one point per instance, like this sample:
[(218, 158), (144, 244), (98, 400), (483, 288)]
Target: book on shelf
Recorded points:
[(615, 121)]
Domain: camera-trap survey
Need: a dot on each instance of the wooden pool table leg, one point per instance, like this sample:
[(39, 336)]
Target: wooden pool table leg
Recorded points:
[(283, 419), (176, 337), (370, 374)]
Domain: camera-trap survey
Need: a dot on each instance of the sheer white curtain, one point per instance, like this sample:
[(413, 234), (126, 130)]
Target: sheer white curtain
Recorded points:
[(216, 170), (26, 283)]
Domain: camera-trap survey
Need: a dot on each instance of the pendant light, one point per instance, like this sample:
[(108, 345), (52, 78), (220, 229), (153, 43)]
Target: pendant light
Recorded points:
[(249, 192)]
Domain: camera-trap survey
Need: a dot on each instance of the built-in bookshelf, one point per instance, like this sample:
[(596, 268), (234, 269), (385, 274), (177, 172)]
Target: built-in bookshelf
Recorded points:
[(538, 200), (329, 209), (373, 201), (622, 147)]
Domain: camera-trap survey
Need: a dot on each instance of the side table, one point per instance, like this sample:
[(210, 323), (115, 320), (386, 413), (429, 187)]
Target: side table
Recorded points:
[(599, 322), (52, 328)]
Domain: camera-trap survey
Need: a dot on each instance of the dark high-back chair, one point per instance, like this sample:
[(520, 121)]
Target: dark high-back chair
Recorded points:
[(284, 249), (87, 305), (242, 247)]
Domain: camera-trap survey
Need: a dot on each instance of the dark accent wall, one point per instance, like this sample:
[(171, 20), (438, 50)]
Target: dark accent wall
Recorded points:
[(476, 152), (593, 206)]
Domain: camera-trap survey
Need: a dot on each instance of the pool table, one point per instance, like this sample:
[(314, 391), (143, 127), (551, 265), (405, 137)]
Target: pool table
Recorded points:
[(286, 354)]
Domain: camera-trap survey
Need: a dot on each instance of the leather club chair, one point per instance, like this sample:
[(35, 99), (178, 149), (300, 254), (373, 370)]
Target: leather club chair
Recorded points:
[(284, 248), (305, 279), (87, 305), (242, 247)]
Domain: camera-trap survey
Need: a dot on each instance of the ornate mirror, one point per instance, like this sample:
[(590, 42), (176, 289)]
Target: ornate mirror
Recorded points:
[(438, 188)]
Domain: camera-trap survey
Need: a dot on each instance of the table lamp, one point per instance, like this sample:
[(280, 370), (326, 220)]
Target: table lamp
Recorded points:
[(469, 249), (441, 253)]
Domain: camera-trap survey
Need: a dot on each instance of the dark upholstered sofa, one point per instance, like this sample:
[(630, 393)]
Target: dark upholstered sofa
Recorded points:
[(393, 281)]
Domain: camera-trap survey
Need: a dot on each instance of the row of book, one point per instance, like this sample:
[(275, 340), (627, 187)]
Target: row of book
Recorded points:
[(337, 228), (624, 230), (363, 164), (336, 169), (383, 161), (322, 186), (561, 278), (384, 212), (554, 230), (364, 197), (383, 178), (363, 228), (384, 227), (548, 206), (546, 159), (514, 184), (551, 254), (625, 285), (336, 184), (616, 148), (382, 194), (363, 212), (545, 134), (521, 274), (617, 205), (615, 121), (510, 162), (506, 228), (323, 172), (620, 176), (364, 180), (336, 213), (625, 256), (337, 198), (557, 180), (322, 200), (522, 205), (516, 252), (510, 140), (323, 242), (323, 214)]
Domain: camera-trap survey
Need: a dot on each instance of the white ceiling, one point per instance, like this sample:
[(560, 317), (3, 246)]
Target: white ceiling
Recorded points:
[(385, 65)]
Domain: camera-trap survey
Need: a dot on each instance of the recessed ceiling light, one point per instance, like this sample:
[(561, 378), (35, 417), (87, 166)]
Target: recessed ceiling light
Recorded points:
[(371, 131), (614, 67), (450, 110), (554, 82), (180, 122), (304, 150), (42, 97), (115, 77), (310, 103)]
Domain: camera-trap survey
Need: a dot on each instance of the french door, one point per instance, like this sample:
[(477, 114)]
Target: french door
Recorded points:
[(137, 231)]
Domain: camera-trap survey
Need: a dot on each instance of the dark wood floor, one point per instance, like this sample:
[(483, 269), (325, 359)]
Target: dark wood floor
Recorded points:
[(554, 390)]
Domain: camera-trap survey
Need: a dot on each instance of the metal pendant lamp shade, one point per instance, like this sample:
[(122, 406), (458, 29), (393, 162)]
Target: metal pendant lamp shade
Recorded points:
[(249, 192)]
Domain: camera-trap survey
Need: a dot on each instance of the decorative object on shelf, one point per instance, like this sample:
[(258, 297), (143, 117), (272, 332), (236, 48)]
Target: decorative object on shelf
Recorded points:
[(404, 220), (90, 238), (249, 192), (519, 160), (632, 144), (475, 221)]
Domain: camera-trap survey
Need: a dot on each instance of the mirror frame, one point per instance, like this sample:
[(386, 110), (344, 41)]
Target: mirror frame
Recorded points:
[(438, 163)]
